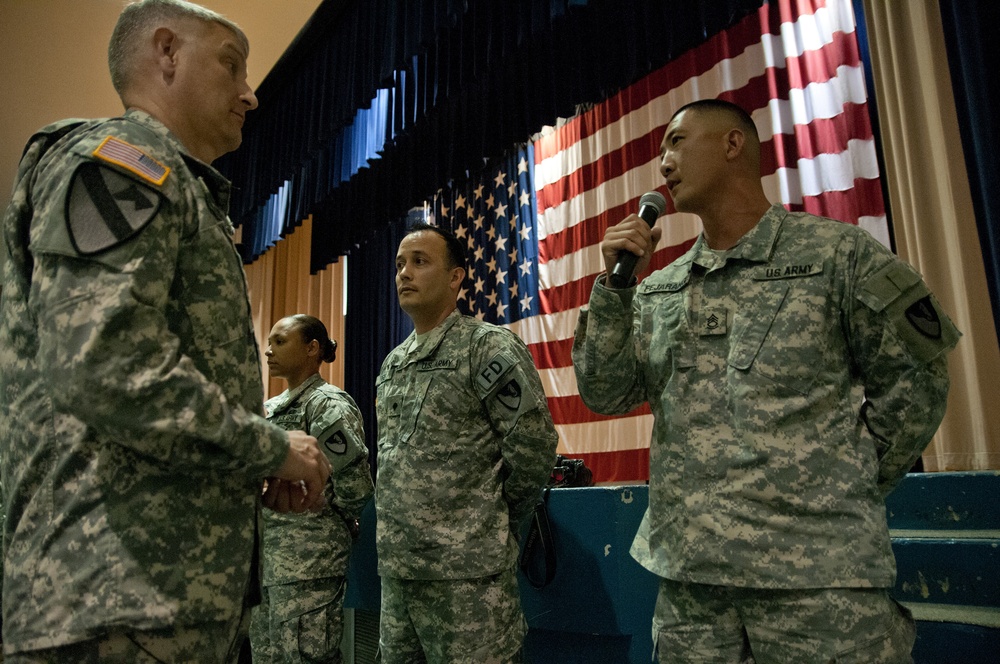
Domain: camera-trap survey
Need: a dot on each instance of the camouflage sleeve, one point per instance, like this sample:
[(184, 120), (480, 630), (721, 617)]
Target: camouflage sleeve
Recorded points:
[(114, 363), (899, 340), (604, 352), (336, 423), (508, 385)]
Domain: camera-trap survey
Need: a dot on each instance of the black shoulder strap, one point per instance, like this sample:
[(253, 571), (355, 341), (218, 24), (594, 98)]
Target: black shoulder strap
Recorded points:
[(36, 147), (538, 557)]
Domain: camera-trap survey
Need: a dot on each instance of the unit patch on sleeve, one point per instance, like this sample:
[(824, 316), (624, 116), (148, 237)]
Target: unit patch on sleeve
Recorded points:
[(510, 394), (334, 440), (923, 317), (492, 372), (105, 208)]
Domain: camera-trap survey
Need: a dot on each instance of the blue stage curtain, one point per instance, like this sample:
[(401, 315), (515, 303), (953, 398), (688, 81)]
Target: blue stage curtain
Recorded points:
[(970, 27), (374, 320), (441, 85)]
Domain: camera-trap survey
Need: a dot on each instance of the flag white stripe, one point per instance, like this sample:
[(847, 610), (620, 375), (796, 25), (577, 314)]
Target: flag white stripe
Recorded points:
[(821, 100), (626, 433), (726, 75), (559, 382), (677, 228), (546, 327)]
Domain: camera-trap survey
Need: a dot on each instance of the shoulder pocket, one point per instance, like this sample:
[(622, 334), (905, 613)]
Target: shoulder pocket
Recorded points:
[(898, 292)]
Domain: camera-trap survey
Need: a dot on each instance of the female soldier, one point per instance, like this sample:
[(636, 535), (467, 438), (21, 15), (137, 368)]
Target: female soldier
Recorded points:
[(305, 555)]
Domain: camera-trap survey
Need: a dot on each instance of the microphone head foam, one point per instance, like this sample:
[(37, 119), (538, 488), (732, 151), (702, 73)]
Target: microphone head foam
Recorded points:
[(654, 199)]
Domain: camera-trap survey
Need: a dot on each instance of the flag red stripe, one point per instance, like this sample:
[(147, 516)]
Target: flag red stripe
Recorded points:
[(821, 136), (577, 293), (828, 142), (552, 354), (641, 150), (619, 466), (864, 199), (695, 62), (572, 410)]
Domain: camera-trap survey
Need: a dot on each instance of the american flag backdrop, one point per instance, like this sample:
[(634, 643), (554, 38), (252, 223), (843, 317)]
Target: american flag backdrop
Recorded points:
[(495, 216), (533, 225)]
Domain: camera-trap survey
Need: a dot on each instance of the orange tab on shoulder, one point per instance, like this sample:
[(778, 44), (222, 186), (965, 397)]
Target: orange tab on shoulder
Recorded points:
[(131, 158)]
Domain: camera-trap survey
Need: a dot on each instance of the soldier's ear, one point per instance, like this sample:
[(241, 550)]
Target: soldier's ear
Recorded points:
[(165, 43), (735, 141)]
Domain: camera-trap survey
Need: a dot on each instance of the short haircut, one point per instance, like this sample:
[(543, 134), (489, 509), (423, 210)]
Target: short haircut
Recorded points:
[(742, 118), (456, 250), (138, 18)]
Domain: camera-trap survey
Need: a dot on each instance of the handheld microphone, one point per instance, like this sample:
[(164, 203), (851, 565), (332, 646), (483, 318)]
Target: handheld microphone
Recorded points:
[(651, 206)]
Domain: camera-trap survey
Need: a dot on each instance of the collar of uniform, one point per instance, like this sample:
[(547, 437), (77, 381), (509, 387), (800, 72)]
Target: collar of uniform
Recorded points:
[(145, 119), (758, 244), (434, 337), (755, 246), (219, 188), (288, 397)]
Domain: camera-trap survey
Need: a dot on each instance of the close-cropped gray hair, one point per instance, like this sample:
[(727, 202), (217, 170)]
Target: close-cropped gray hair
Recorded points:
[(138, 18)]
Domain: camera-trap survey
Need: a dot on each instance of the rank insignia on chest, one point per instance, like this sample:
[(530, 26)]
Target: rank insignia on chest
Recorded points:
[(712, 322)]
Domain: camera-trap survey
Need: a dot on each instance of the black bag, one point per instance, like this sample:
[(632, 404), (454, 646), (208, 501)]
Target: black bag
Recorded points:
[(538, 557)]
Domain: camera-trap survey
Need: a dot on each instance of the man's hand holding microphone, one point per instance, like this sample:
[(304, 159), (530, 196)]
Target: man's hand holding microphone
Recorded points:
[(628, 246)]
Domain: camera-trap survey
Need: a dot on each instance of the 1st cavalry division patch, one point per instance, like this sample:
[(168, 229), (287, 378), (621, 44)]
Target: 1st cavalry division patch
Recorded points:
[(104, 208)]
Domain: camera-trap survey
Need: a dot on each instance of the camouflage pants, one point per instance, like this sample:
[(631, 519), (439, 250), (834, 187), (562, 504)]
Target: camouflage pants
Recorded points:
[(212, 643), (299, 622), (464, 621), (695, 623)]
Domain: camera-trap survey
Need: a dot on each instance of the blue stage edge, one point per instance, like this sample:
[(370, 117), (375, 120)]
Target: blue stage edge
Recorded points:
[(597, 610)]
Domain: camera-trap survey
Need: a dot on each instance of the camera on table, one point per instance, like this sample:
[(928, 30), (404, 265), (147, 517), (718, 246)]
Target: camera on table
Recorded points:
[(570, 473)]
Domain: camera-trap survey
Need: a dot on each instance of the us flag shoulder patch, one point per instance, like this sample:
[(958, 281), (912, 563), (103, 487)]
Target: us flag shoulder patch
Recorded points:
[(118, 152)]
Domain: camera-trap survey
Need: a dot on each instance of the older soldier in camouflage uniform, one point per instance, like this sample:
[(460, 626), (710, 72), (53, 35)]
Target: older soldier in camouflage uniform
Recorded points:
[(465, 444), (305, 556), (131, 441), (795, 369)]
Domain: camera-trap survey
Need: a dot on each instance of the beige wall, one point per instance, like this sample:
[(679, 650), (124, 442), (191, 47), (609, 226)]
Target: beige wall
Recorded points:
[(53, 60)]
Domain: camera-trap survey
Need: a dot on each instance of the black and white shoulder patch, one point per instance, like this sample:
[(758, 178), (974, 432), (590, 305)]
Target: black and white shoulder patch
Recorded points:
[(105, 208), (334, 439)]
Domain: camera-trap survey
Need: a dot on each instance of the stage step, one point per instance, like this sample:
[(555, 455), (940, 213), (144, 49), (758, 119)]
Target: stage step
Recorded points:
[(945, 530)]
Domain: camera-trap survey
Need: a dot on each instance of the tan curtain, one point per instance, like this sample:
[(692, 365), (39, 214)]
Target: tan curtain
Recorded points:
[(933, 217), (280, 285)]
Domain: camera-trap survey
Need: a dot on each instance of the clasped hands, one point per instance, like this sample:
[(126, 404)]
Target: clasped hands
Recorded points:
[(297, 486)]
